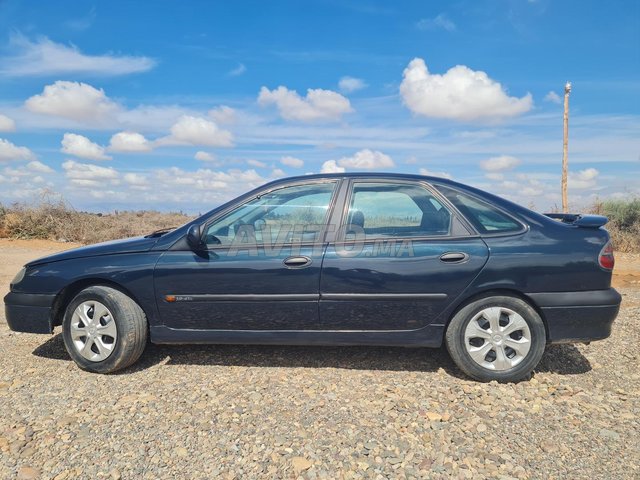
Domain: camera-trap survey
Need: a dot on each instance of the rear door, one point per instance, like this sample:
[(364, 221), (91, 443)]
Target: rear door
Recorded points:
[(260, 269), (402, 257)]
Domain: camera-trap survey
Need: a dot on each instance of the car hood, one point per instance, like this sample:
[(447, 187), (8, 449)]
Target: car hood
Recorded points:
[(127, 245)]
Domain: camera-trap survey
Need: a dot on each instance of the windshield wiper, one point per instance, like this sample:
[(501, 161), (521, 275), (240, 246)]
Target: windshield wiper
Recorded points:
[(159, 232)]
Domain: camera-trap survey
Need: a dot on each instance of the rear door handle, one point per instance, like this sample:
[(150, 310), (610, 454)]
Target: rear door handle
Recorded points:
[(454, 257), (297, 262)]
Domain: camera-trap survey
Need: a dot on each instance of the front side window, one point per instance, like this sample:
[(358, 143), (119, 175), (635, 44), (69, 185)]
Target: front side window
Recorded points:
[(485, 217), (285, 215), (397, 210)]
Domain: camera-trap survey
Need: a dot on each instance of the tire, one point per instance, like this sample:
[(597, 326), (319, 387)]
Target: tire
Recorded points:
[(111, 342), (507, 353)]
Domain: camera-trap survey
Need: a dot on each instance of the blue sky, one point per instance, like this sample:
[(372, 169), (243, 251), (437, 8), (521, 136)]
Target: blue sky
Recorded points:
[(120, 105)]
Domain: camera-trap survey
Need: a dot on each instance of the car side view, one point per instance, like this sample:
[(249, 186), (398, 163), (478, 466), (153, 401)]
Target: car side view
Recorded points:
[(336, 259)]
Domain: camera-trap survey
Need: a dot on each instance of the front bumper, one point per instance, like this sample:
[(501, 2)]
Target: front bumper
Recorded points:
[(28, 312), (578, 316)]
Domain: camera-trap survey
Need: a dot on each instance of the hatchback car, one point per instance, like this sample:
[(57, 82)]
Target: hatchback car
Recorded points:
[(339, 259)]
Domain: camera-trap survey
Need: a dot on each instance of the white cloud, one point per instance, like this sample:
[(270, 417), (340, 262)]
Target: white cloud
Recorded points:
[(330, 166), (583, 179), (73, 100), (36, 166), (239, 70), (88, 107), (317, 105), (497, 164), (256, 163), (476, 135), (84, 175), (45, 57), (149, 118), (531, 191), (292, 162), (553, 97), (496, 176), (7, 124), (429, 173), (437, 22), (136, 179), (204, 156), (129, 142), (223, 114), (367, 159), (189, 130), (510, 185), (459, 94), (80, 146), (9, 152), (351, 84), (278, 173), (209, 180), (82, 23)]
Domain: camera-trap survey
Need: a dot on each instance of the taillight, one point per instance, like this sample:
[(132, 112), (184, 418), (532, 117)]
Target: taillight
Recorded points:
[(606, 259)]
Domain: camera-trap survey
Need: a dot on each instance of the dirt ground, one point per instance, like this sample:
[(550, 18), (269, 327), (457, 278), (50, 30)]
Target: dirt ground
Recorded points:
[(317, 412)]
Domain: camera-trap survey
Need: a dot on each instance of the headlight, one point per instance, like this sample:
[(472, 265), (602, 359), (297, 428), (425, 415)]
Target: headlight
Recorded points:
[(19, 276)]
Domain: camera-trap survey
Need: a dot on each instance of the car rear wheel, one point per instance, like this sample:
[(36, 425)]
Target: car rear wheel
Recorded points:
[(496, 338), (104, 330)]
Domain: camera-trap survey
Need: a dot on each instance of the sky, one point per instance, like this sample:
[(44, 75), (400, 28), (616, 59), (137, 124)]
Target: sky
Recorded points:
[(121, 105)]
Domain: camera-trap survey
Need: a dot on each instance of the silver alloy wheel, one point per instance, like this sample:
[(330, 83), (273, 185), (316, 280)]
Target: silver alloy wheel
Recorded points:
[(93, 331), (497, 338)]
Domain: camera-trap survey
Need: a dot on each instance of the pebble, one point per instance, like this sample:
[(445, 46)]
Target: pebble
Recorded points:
[(27, 473), (300, 464), (235, 412)]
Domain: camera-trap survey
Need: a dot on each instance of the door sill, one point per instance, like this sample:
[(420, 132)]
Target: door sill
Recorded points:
[(429, 336)]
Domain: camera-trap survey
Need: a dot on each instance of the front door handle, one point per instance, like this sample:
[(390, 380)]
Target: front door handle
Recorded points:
[(454, 257), (297, 262)]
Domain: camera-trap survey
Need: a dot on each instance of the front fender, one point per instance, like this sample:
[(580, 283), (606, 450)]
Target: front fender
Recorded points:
[(133, 272)]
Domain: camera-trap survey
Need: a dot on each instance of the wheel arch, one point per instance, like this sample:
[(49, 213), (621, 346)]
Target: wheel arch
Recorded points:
[(507, 292), (70, 291)]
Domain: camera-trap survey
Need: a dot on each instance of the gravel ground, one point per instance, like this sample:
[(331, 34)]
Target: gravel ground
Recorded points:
[(287, 412)]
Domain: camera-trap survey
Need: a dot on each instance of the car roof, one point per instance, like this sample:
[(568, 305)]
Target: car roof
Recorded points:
[(381, 175)]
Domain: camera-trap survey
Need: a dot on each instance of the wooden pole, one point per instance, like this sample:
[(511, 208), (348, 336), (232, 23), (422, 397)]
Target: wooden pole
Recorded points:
[(565, 145)]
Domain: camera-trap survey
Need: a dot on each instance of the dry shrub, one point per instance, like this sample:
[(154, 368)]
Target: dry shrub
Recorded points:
[(54, 219), (624, 222)]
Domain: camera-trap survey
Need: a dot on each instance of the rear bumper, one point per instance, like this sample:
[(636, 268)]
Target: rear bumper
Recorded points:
[(578, 316), (27, 312)]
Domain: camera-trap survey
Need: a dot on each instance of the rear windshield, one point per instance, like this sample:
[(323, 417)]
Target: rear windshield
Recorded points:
[(483, 216)]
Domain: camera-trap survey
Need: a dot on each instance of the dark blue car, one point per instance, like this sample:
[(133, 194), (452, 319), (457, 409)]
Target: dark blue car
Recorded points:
[(341, 259)]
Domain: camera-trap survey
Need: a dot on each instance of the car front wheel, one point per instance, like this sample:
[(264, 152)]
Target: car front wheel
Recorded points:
[(496, 338), (104, 330)]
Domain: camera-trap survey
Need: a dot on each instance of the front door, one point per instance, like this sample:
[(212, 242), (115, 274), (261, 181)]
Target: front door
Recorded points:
[(402, 259), (260, 269)]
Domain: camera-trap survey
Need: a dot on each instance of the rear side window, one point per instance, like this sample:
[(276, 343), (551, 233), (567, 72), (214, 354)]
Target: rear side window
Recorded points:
[(397, 210), (485, 217)]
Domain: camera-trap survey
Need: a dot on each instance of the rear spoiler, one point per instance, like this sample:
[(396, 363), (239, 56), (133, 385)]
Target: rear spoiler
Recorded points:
[(579, 220)]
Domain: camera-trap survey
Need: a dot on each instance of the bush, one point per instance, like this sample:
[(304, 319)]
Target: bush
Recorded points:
[(54, 219), (624, 222)]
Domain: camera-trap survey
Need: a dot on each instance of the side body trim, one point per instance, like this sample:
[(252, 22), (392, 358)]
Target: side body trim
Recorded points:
[(256, 297)]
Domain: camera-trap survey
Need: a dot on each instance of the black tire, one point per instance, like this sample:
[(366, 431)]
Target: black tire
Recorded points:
[(130, 321), (455, 339)]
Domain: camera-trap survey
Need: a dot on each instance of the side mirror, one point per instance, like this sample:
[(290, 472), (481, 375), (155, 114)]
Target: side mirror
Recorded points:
[(194, 238)]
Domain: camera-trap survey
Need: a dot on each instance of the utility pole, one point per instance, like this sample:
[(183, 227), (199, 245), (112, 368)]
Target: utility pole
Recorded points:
[(565, 145)]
